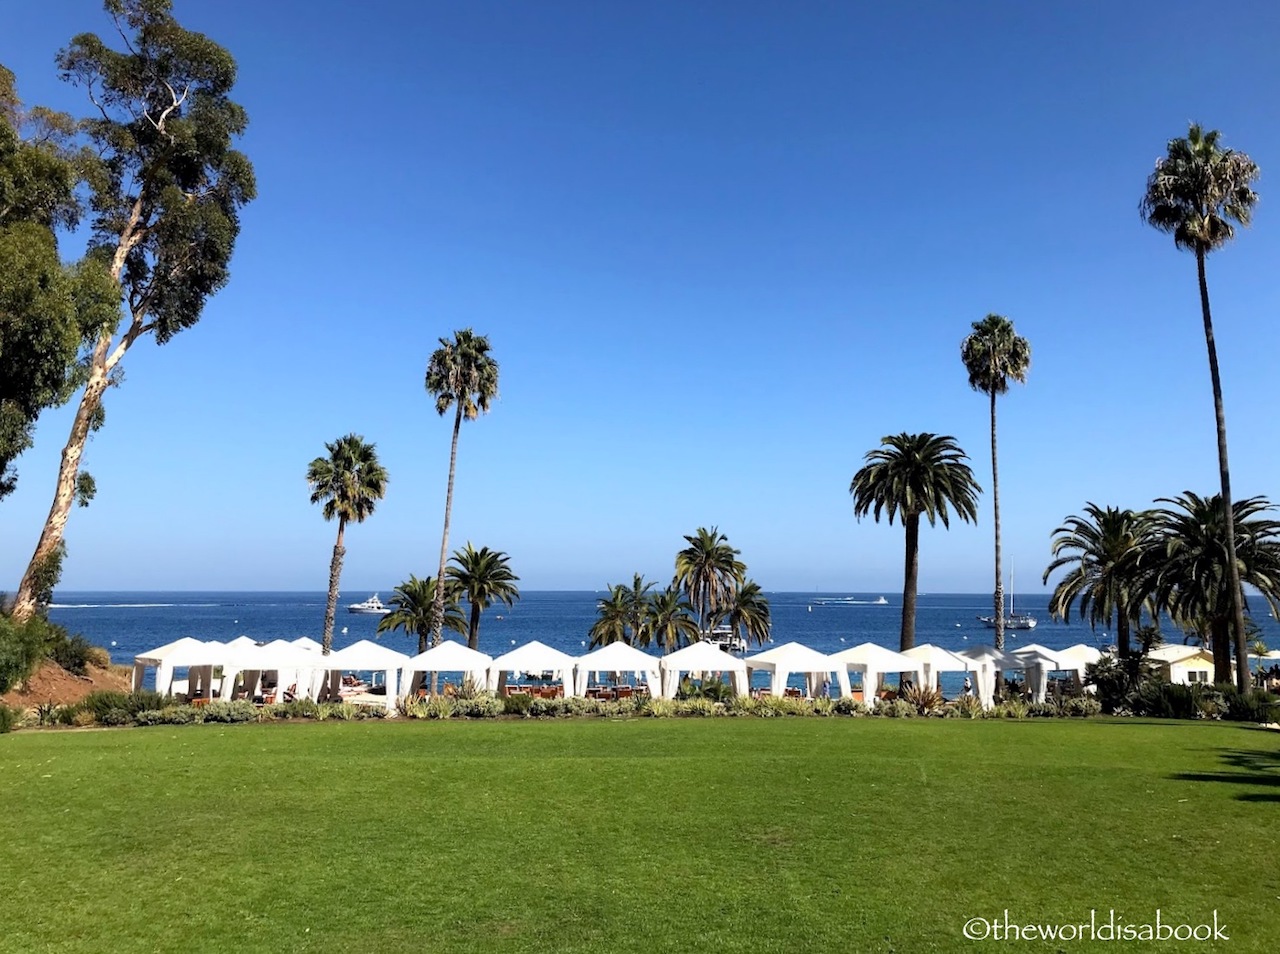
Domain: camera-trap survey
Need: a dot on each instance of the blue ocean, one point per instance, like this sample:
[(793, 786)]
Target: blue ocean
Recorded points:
[(127, 623)]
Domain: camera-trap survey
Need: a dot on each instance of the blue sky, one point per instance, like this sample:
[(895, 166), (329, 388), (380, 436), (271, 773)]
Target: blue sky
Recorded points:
[(720, 249)]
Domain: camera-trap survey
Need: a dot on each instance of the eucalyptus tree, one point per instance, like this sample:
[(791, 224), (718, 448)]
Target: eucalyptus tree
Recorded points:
[(671, 622), (994, 354), (412, 608), (1193, 582), (1109, 557), (167, 189), (462, 375), (908, 476), (349, 482), (747, 613), (707, 570), (1199, 192), (484, 577)]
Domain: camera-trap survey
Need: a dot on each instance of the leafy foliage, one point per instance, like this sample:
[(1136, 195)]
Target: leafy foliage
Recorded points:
[(484, 577), (413, 606)]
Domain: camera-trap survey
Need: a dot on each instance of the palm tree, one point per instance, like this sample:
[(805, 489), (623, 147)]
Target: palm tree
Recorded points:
[(917, 474), (1196, 192), (460, 374), (611, 624), (483, 576), (349, 482), (671, 622), (413, 605), (1193, 583), (1109, 552), (993, 354), (707, 570), (747, 612)]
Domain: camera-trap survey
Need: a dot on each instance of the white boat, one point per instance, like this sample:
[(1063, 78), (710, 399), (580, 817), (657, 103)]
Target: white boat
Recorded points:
[(370, 607), (722, 637), (1013, 620)]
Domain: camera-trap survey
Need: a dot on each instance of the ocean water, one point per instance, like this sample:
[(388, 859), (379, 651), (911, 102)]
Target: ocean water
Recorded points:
[(128, 623)]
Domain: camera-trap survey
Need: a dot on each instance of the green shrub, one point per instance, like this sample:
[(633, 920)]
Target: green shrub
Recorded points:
[(238, 710), (924, 699), (74, 653), (102, 701), (696, 708), (517, 705), (1082, 707), (438, 707), (480, 706), (47, 713), (1256, 705), (82, 717), (1008, 709), (1166, 700), (657, 708), (847, 705), (8, 718), (965, 707), (1117, 680), (1043, 710), (116, 717), (824, 706), (297, 709), (895, 709), (21, 649)]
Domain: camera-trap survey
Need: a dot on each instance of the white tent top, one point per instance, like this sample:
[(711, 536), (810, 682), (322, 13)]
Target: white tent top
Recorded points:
[(196, 653), (990, 656), (153, 657), (877, 658), (365, 655), (702, 655), (449, 656), (241, 641), (277, 654), (937, 658), (306, 642), (1079, 654), (1173, 654), (533, 657), (1035, 648), (792, 657), (618, 657)]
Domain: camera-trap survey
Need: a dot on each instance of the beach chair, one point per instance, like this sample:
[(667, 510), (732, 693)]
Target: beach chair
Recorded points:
[(624, 692)]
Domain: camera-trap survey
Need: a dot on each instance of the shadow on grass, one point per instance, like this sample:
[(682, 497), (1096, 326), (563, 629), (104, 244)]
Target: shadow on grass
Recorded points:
[(1256, 767)]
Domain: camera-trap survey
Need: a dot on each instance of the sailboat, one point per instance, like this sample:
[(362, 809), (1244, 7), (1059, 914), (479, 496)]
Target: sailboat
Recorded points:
[(1013, 620)]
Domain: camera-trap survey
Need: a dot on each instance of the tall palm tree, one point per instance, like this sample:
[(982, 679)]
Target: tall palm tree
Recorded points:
[(1196, 192), (747, 613), (914, 474), (707, 570), (1109, 552), (349, 482), (611, 622), (483, 576), (993, 354), (671, 622), (413, 608), (1193, 583), (462, 375)]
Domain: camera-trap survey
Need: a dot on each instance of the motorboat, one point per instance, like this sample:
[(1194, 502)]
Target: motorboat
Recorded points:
[(370, 607)]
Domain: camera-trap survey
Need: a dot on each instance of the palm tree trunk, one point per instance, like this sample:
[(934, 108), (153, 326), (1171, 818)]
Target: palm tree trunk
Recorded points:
[(473, 633), (437, 616), (910, 580), (995, 499), (1122, 632), (64, 495), (335, 571), (1220, 643), (1233, 567)]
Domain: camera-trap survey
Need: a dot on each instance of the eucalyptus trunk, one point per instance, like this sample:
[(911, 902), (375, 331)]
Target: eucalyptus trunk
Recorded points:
[(331, 604), (1243, 680), (910, 581), (995, 498), (437, 608)]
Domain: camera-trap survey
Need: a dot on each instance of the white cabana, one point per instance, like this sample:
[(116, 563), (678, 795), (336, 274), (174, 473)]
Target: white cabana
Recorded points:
[(872, 662), (365, 656), (782, 661), (532, 657), (987, 661), (199, 659), (295, 669), (934, 660), (1040, 661), (306, 642), (158, 658), (701, 657), (449, 656), (619, 657)]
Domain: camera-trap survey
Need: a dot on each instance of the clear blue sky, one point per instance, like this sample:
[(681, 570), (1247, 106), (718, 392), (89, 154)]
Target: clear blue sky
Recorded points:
[(720, 249)]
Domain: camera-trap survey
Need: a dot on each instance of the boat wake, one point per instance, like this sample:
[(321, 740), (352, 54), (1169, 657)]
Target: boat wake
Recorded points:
[(122, 605), (849, 601)]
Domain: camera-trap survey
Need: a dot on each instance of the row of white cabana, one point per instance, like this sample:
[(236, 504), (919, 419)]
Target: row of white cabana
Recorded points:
[(247, 666)]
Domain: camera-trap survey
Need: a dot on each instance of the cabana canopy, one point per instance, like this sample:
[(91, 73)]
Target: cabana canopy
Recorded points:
[(934, 660), (872, 662), (987, 661), (619, 657), (365, 656), (158, 658), (306, 642), (783, 660), (533, 657), (449, 656), (701, 657)]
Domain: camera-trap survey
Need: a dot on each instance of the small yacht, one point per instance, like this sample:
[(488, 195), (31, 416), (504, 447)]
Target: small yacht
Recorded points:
[(723, 637), (371, 607)]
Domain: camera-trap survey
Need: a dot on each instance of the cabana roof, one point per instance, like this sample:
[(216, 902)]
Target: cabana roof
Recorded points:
[(793, 657), (533, 657), (702, 655), (937, 658), (995, 658), (365, 655), (153, 657), (871, 656), (449, 656), (618, 657)]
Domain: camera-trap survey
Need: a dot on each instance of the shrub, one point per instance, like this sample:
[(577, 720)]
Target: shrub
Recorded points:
[(1117, 680), (102, 701), (823, 706), (895, 709), (21, 649), (517, 705), (1256, 705), (924, 699), (657, 708), (1082, 707), (82, 717), (965, 707), (846, 705), (1166, 700), (74, 653), (8, 718), (47, 713), (238, 710), (297, 709), (697, 708), (480, 706), (1043, 710), (1008, 709), (712, 689), (150, 717)]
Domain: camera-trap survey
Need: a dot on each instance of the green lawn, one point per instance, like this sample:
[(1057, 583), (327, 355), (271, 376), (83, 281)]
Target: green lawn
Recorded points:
[(641, 835)]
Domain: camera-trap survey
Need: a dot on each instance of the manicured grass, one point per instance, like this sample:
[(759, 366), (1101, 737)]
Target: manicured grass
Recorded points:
[(641, 835)]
